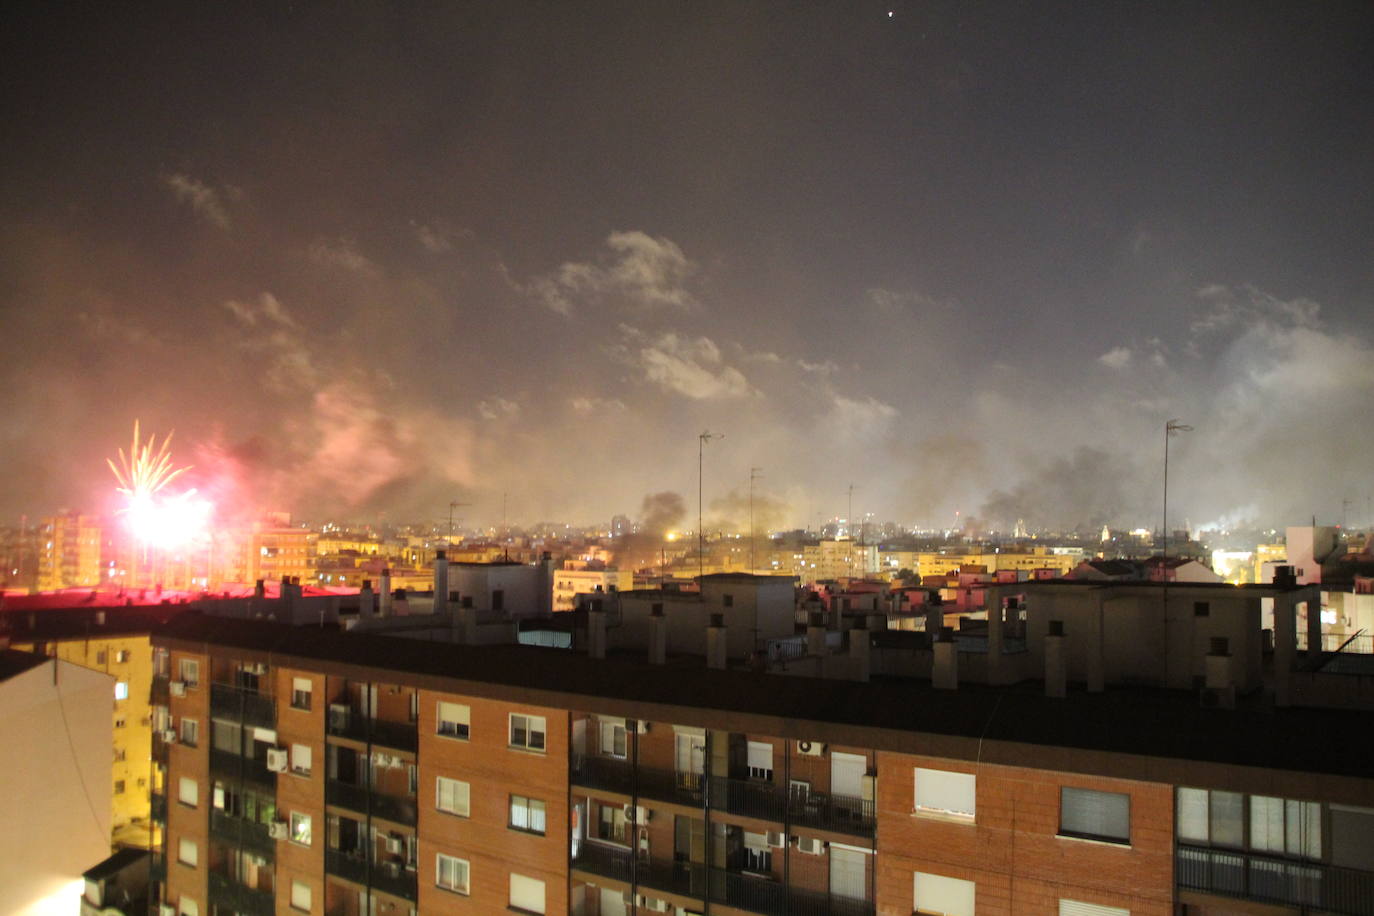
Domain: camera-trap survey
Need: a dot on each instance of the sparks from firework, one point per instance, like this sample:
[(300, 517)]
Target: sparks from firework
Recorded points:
[(157, 518)]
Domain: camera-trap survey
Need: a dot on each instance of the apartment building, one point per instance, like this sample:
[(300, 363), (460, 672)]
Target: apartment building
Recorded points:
[(313, 771)]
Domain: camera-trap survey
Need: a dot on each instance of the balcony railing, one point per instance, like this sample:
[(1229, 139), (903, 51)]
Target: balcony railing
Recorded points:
[(246, 706), (160, 694), (1267, 878), (761, 800), (157, 807), (157, 868), (347, 722), (235, 766), (606, 861), (399, 809), (609, 773), (227, 894), (840, 813), (747, 892), (818, 903), (389, 878), (672, 786), (242, 833), (685, 879)]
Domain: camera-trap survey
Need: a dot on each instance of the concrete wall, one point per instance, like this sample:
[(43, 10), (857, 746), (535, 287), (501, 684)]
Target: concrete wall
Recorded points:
[(55, 740)]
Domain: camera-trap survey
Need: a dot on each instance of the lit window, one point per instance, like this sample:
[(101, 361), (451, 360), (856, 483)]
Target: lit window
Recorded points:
[(190, 731), (121, 656), (300, 759), (1092, 815), (188, 791), (452, 874), (527, 814), (190, 672), (940, 793), (760, 758), (526, 894), (613, 737), (300, 896), (527, 732), (187, 907), (122, 690), (300, 828), (187, 852), (453, 720), (758, 858), (452, 796), (1079, 908), (938, 894), (300, 692)]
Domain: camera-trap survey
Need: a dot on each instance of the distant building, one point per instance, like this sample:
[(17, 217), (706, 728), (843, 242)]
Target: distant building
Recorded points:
[(70, 552), (568, 583)]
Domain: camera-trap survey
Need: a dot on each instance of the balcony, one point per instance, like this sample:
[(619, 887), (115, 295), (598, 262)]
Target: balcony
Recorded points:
[(227, 894), (686, 879), (346, 722), (246, 706), (839, 813), (160, 694), (157, 868), (819, 903), (672, 786), (747, 892), (157, 807), (387, 877), (603, 860), (608, 773), (360, 799), (235, 766), (242, 833), (761, 800), (1271, 879)]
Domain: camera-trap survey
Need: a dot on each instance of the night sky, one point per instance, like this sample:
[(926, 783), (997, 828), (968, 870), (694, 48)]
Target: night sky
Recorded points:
[(366, 259)]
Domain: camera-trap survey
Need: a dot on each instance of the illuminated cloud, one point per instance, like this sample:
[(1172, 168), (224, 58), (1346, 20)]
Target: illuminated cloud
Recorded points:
[(206, 201), (498, 408), (690, 366), (341, 253), (644, 272), (1116, 358)]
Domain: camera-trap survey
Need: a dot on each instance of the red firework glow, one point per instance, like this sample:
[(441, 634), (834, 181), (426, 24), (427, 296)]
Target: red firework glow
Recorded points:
[(155, 517)]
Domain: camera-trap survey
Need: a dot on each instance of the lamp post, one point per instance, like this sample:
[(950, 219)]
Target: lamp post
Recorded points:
[(706, 436)]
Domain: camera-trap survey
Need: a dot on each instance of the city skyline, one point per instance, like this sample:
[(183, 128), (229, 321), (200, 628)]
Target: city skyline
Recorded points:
[(366, 260)]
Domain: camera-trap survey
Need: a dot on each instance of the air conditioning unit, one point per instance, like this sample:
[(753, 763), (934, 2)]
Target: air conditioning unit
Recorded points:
[(395, 843), (810, 748), (810, 845), (169, 735), (178, 688), (641, 727), (278, 830), (777, 840), (637, 814), (277, 759)]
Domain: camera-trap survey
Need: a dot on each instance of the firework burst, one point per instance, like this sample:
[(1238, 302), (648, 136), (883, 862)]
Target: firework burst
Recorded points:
[(156, 517)]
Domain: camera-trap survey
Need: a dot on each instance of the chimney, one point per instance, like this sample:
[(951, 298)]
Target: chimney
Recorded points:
[(935, 619), (259, 589), (440, 582), (861, 650), (365, 600), (715, 642), (658, 636), (1221, 686), (815, 634), (596, 631), (1056, 661), (946, 673), (385, 594)]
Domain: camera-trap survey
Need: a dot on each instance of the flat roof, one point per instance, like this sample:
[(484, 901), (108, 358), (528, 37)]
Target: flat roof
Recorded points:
[(1143, 733)]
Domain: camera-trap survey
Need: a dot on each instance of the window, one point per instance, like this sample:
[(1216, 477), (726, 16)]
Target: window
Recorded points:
[(188, 792), (453, 720), (527, 814), (1079, 908), (300, 695), (613, 737), (300, 828), (121, 656), (944, 896), (758, 857), (300, 759), (940, 793), (1286, 826), (300, 896), (122, 690), (100, 657), (498, 601), (119, 787), (760, 756), (452, 796), (120, 723), (727, 600), (527, 732), (187, 852), (1201, 609), (1092, 815), (187, 907), (452, 874), (1276, 825), (526, 894), (190, 731), (189, 669), (610, 823)]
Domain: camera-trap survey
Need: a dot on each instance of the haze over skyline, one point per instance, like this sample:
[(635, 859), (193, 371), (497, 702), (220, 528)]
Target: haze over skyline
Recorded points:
[(369, 259)]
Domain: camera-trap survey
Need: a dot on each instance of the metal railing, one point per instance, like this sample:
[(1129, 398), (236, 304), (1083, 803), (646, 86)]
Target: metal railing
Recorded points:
[(606, 861), (242, 833), (358, 727), (236, 766), (396, 808), (160, 693), (1268, 878), (686, 879), (226, 893), (157, 807), (840, 813), (246, 706), (609, 773), (386, 877)]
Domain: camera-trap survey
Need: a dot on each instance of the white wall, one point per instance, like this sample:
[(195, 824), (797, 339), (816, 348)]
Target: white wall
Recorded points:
[(56, 742)]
